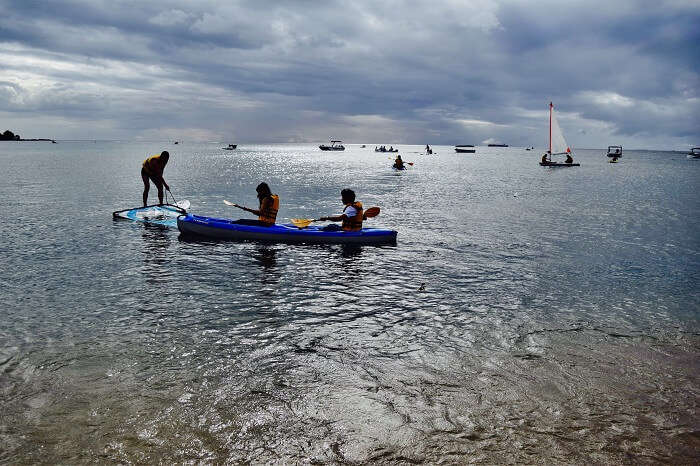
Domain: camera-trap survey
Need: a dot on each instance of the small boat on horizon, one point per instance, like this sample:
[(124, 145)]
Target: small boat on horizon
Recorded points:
[(334, 145), (695, 152), (384, 149), (465, 149), (557, 144), (230, 147), (498, 145), (614, 151)]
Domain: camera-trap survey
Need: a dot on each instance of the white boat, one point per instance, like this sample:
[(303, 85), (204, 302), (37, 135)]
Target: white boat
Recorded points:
[(557, 144), (335, 145), (465, 149), (615, 151)]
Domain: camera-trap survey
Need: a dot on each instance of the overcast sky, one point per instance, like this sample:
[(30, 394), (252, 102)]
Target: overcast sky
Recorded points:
[(412, 72)]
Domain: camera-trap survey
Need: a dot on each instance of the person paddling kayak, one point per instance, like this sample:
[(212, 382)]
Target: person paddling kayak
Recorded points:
[(398, 163), (152, 170), (351, 216), (267, 210)]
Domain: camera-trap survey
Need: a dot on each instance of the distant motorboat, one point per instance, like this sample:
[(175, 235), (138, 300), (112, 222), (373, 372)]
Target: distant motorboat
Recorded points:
[(498, 145), (335, 145), (176, 142), (465, 149), (614, 151), (230, 147), (362, 146), (695, 152)]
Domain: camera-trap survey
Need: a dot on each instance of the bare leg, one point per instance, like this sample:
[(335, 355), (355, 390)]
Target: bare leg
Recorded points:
[(146, 186), (160, 192)]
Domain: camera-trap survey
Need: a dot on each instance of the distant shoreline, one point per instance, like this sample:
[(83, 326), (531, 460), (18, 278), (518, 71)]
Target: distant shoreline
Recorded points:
[(20, 140)]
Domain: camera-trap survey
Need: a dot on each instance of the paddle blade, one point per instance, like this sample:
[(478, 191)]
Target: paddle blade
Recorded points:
[(184, 204), (301, 222), (410, 163), (371, 212), (230, 203)]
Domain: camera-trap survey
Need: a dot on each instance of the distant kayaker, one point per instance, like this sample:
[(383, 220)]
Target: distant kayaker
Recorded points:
[(569, 159), (398, 163), (152, 170), (267, 210), (428, 150), (351, 216), (544, 158)]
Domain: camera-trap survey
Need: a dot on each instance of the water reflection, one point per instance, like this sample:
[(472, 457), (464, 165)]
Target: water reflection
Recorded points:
[(349, 251), (156, 242), (267, 257)]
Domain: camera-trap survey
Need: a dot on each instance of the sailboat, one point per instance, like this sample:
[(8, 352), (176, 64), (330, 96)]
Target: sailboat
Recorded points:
[(557, 144)]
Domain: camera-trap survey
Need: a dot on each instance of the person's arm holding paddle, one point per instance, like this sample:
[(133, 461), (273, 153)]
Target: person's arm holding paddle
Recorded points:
[(335, 218), (267, 212)]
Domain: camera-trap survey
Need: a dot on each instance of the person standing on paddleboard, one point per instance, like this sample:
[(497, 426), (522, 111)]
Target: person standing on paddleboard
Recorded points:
[(352, 214), (152, 170)]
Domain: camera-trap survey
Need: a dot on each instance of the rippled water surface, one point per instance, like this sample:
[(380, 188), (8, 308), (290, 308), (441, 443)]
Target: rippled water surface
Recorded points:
[(526, 314)]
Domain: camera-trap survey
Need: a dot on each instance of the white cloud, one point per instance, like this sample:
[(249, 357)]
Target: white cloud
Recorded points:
[(608, 98), (170, 18), (482, 123)]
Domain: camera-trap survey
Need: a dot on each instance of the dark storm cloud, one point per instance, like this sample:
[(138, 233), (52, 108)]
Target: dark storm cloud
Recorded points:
[(402, 70)]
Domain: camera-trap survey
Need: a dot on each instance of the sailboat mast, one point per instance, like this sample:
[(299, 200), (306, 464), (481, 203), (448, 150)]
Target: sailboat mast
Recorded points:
[(550, 128)]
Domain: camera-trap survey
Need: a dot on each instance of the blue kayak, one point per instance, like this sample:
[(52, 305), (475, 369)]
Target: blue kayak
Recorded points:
[(226, 229)]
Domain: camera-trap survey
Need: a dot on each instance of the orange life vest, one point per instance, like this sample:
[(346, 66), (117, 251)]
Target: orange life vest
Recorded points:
[(268, 214), (153, 165), (353, 223)]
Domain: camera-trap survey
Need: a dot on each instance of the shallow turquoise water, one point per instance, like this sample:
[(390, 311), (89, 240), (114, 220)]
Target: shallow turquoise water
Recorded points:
[(557, 322)]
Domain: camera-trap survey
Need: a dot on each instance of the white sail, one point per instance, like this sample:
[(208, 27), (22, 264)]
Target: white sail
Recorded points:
[(557, 142)]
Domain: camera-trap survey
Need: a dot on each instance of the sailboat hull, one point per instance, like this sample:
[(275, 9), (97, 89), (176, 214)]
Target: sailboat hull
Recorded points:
[(557, 164)]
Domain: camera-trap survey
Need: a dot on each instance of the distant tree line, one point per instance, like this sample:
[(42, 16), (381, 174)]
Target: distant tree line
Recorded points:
[(9, 136)]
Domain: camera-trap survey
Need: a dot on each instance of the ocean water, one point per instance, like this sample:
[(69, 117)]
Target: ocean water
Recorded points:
[(525, 315)]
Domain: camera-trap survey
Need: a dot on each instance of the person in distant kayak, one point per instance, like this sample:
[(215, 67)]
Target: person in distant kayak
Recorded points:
[(428, 150), (266, 211), (569, 159), (398, 163), (352, 214), (152, 170)]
